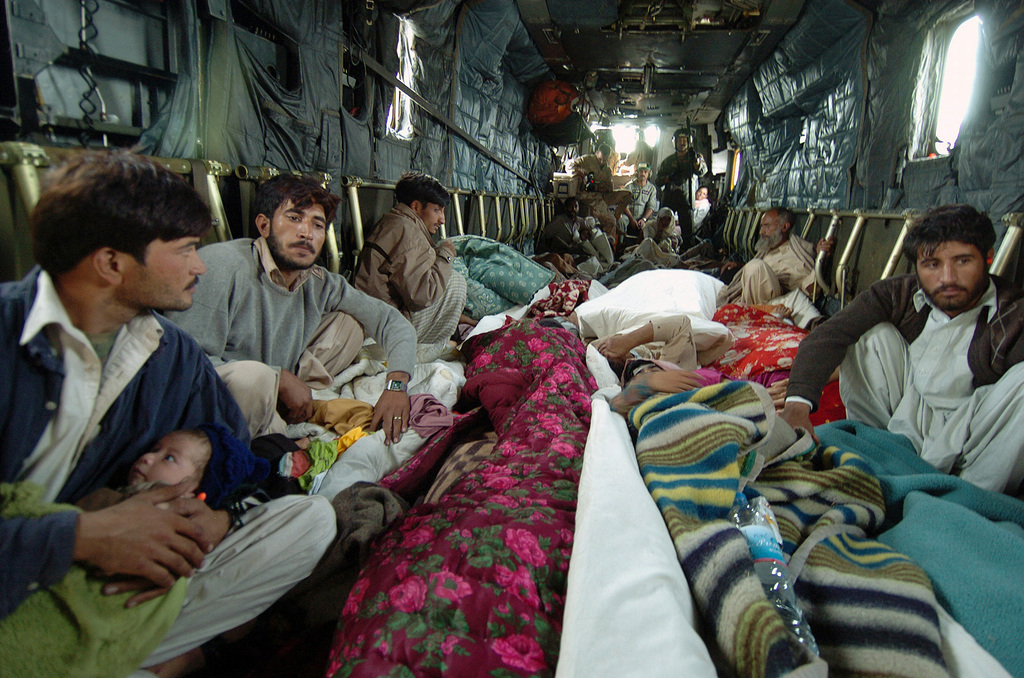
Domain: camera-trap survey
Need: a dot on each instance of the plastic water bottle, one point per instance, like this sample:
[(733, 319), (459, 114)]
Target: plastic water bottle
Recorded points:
[(756, 521)]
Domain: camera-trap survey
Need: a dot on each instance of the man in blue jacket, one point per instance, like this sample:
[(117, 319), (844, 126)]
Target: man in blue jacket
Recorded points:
[(90, 377)]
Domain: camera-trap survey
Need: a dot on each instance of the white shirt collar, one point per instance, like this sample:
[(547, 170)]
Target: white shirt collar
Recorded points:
[(47, 309)]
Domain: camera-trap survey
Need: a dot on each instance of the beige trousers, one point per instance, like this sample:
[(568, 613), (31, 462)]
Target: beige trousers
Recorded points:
[(278, 545), (674, 343), (755, 283), (980, 440), (334, 346)]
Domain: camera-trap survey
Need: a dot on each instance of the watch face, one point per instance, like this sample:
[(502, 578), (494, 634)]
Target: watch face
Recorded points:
[(395, 385)]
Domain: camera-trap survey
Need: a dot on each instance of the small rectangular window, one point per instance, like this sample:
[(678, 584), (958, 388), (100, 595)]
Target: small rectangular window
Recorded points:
[(400, 112)]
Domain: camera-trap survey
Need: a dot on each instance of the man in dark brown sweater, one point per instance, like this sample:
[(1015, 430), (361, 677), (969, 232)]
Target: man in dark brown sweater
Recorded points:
[(933, 356)]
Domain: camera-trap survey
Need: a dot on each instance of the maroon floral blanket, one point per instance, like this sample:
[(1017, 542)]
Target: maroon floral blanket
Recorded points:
[(474, 585)]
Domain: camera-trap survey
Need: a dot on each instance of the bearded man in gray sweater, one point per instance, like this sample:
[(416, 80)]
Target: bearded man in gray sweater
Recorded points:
[(275, 323)]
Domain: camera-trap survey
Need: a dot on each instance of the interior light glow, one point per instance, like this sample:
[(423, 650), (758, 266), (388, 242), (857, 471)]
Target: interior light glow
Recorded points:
[(651, 135), (625, 139)]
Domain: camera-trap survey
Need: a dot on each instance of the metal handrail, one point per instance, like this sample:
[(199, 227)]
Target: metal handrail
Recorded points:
[(897, 250), (843, 266), (1010, 245)]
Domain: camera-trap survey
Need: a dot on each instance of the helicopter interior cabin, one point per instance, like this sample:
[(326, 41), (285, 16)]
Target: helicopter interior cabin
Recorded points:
[(553, 513)]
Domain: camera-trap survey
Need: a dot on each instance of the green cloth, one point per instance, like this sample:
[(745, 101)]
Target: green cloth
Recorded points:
[(497, 276), (71, 629), (968, 540), (322, 456)]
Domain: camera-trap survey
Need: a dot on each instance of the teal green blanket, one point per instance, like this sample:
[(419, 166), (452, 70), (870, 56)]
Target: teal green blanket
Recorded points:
[(497, 276), (969, 541)]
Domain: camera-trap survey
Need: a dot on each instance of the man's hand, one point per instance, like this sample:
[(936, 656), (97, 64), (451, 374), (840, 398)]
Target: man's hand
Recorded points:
[(615, 347), (446, 249), (214, 526), (730, 265), (798, 415), (671, 381), (825, 246), (391, 413), (294, 398), (144, 536), (777, 391)]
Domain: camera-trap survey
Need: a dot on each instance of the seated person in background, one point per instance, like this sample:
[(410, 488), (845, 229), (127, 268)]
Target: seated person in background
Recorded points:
[(784, 262), (663, 230), (933, 356), (562, 234), (644, 201), (656, 250), (701, 208), (275, 323), (593, 171), (570, 234), (401, 265), (92, 377)]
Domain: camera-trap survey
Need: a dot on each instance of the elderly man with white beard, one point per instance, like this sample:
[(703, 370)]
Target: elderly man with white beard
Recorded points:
[(784, 261)]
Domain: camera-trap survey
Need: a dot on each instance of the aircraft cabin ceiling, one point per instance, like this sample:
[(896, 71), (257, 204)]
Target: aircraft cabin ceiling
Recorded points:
[(665, 61)]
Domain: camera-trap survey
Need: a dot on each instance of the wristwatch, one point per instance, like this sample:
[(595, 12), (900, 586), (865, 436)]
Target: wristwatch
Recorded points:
[(395, 385)]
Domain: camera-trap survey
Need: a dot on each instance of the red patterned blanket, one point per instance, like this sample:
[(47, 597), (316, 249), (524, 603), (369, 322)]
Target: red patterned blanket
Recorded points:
[(475, 583)]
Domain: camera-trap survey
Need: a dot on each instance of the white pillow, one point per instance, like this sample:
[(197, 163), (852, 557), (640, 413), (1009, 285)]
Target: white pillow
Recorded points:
[(652, 295)]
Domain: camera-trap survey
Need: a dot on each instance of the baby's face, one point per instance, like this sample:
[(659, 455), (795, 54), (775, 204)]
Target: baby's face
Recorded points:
[(175, 457)]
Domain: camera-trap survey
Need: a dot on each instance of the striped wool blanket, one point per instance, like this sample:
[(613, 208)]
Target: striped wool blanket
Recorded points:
[(872, 610)]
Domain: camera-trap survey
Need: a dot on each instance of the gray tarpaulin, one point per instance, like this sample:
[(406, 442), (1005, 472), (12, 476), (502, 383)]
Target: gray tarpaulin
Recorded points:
[(986, 168), (474, 61), (229, 107), (879, 134), (798, 117)]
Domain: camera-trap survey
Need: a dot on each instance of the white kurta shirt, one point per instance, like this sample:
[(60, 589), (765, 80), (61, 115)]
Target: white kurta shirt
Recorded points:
[(90, 385)]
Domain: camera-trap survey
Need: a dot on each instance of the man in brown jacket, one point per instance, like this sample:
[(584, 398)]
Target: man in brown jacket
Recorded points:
[(400, 263), (936, 356)]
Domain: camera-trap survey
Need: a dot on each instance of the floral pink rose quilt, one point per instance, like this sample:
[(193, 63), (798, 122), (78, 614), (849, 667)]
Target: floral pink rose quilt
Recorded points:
[(474, 584)]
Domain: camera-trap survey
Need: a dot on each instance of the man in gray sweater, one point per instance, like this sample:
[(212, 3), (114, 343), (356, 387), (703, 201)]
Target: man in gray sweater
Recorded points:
[(275, 324), (937, 357)]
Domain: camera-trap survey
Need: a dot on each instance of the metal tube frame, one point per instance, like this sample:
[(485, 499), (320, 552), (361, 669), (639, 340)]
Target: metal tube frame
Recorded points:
[(1010, 245), (842, 268), (481, 213), (820, 258), (897, 250)]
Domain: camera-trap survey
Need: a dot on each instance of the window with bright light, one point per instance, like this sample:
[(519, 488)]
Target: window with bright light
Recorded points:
[(957, 84), (737, 164), (625, 139), (651, 135), (400, 112)]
